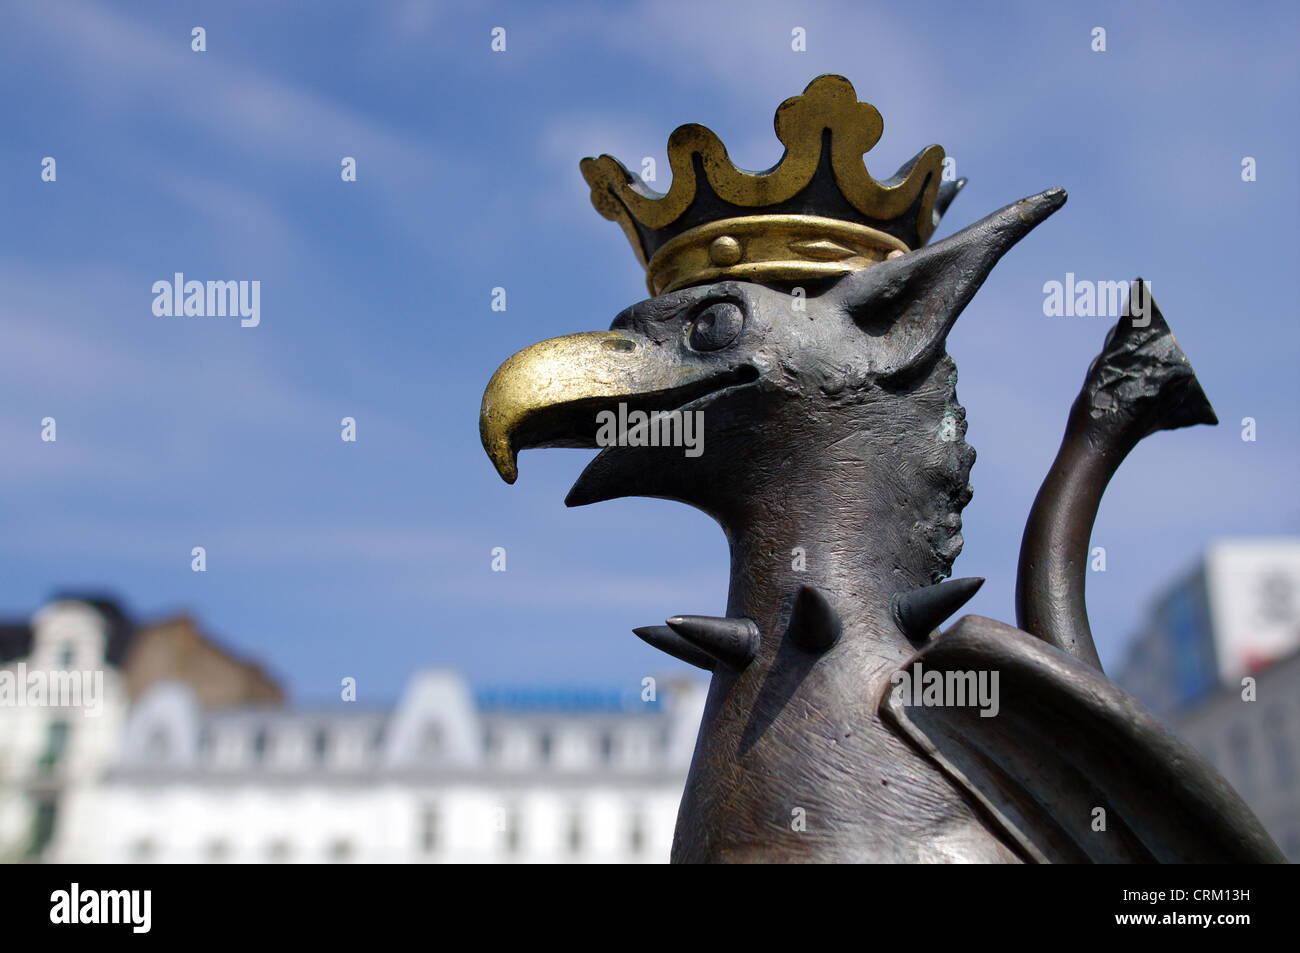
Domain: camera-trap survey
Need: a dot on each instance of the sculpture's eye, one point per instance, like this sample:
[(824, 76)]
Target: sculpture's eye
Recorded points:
[(716, 326)]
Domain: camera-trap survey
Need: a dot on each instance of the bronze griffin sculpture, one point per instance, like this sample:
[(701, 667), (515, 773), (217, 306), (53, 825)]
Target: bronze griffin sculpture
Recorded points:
[(801, 314)]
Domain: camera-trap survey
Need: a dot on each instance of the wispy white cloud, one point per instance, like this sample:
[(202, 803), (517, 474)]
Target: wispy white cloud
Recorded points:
[(240, 107), (240, 110), (73, 350)]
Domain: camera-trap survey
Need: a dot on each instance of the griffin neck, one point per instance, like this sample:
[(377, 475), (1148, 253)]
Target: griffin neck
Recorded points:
[(862, 499)]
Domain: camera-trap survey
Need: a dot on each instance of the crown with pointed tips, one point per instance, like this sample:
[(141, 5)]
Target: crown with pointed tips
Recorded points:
[(817, 213)]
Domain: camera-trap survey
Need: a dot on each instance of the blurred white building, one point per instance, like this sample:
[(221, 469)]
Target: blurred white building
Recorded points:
[(47, 752), (1219, 659), (168, 776)]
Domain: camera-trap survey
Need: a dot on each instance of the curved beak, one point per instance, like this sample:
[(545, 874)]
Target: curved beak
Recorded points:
[(548, 395)]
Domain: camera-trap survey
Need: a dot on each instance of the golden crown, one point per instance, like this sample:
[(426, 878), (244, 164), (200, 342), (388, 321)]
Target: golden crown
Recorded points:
[(817, 213)]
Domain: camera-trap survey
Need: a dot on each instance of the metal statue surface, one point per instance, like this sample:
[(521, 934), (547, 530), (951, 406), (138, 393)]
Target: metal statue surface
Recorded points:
[(802, 315)]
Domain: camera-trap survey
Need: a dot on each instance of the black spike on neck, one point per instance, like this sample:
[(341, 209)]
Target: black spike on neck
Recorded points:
[(733, 642), (921, 611), (666, 640), (815, 626)]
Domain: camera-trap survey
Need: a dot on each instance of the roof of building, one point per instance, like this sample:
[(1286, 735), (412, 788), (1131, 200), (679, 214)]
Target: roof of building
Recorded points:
[(121, 630), (16, 637), (577, 700), (15, 640)]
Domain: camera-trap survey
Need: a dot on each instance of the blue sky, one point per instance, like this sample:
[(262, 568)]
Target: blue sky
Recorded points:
[(328, 559)]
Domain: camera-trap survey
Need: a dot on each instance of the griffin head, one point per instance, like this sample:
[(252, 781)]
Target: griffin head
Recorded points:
[(797, 318), (759, 363)]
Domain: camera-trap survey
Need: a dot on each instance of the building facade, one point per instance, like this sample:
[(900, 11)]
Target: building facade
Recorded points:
[(175, 771), (1219, 659), (1255, 744)]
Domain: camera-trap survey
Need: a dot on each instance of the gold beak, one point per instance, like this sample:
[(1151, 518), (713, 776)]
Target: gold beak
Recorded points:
[(548, 394)]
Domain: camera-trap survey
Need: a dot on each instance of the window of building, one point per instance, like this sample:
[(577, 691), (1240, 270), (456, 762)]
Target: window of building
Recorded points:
[(1242, 766), (511, 834), (143, 850), (158, 747), (47, 810), (261, 741), (1280, 748), (606, 747), (320, 743), (340, 851), (429, 829), (545, 747), (67, 655), (636, 832), (56, 743), (430, 742), (1277, 598), (573, 832)]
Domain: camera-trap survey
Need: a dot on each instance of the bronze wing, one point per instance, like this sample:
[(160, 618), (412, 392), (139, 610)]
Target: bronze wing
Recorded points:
[(1065, 741)]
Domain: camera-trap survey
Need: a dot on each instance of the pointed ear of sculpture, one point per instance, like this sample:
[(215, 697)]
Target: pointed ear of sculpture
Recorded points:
[(911, 302), (947, 192)]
